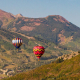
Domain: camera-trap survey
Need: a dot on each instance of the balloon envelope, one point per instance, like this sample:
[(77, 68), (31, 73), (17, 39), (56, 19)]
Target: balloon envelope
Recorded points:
[(17, 42), (38, 51)]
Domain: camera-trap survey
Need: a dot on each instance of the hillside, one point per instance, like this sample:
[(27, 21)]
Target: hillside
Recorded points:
[(57, 70), (24, 59)]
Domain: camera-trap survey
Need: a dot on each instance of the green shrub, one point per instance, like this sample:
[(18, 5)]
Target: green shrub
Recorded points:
[(59, 60)]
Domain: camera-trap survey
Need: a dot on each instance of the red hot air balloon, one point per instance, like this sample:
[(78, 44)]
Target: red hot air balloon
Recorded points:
[(38, 51)]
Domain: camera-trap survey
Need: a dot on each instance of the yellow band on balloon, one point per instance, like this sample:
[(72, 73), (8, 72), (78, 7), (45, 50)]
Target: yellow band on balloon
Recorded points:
[(38, 50), (38, 54)]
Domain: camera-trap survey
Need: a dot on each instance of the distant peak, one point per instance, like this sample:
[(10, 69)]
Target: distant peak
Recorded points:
[(18, 15), (58, 18)]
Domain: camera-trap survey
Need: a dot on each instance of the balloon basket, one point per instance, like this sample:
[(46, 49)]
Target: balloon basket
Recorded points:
[(38, 59), (17, 50)]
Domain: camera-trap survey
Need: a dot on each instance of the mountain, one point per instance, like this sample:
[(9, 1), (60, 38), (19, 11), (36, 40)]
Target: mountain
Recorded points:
[(57, 70), (54, 28)]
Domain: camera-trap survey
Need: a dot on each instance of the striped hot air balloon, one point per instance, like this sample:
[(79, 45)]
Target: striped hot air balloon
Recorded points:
[(38, 51), (17, 42)]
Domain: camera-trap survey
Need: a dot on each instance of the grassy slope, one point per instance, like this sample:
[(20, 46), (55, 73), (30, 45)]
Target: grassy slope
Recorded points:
[(68, 69)]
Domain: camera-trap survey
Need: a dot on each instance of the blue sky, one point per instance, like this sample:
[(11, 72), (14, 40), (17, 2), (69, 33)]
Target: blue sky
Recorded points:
[(69, 9)]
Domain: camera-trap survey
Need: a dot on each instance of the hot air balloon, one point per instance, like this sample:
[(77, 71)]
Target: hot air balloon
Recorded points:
[(38, 51), (17, 42)]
